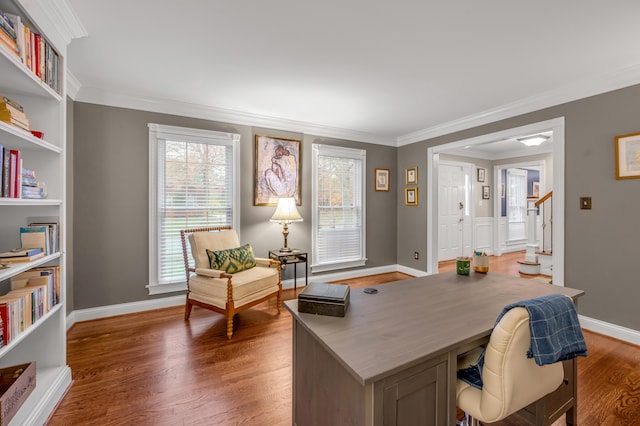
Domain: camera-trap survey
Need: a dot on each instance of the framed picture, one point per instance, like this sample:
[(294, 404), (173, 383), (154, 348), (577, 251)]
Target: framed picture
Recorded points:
[(628, 156), (536, 189), (411, 175), (486, 192), (382, 179), (277, 172), (481, 174), (411, 196)]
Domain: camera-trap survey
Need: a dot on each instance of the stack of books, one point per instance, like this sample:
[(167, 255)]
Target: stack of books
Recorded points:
[(31, 186), (21, 255), (31, 49), (12, 113), (8, 34)]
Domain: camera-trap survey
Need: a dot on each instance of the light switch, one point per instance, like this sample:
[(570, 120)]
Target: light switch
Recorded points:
[(585, 203)]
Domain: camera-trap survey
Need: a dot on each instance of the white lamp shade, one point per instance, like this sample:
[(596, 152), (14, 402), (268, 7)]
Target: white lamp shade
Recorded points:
[(286, 212)]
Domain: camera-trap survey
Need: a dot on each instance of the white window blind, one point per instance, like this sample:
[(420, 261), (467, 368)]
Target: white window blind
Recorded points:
[(516, 203), (193, 184), (338, 207)]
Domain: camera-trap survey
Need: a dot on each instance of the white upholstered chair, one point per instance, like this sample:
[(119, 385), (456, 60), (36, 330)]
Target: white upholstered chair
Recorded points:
[(511, 381), (220, 291)]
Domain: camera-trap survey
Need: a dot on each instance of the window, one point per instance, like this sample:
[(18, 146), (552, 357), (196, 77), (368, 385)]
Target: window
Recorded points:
[(338, 218), (516, 204), (192, 181)]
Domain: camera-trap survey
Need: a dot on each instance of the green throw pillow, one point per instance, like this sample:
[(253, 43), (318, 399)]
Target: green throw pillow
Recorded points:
[(232, 260)]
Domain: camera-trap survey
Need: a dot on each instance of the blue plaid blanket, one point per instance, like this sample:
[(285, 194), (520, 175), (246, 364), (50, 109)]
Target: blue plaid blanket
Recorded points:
[(555, 334)]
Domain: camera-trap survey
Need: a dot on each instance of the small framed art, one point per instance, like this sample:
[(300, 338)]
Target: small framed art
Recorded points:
[(628, 156), (382, 180), (481, 174), (411, 196), (411, 175), (486, 192)]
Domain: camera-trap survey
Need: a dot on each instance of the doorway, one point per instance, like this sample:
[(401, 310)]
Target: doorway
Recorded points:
[(455, 210), (556, 127)]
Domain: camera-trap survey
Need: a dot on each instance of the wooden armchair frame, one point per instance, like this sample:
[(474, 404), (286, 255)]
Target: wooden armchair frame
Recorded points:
[(230, 310)]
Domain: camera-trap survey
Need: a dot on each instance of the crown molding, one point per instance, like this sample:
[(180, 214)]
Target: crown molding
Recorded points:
[(63, 18), (73, 85), (624, 77), (165, 106), (584, 88)]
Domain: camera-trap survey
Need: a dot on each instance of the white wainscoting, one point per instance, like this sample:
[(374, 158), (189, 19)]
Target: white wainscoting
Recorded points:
[(483, 234), (511, 246)]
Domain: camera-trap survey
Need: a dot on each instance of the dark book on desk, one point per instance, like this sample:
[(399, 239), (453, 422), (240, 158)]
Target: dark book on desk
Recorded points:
[(324, 299)]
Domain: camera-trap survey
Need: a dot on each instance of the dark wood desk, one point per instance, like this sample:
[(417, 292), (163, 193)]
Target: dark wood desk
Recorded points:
[(395, 352)]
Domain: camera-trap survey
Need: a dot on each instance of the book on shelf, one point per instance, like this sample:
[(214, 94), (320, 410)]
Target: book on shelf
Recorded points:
[(36, 236), (7, 24), (11, 111), (33, 294), (31, 48), (54, 229), (6, 170), (10, 102), (21, 259), (14, 165), (10, 307), (19, 252)]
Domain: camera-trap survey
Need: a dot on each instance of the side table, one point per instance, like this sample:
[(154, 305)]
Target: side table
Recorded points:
[(294, 256)]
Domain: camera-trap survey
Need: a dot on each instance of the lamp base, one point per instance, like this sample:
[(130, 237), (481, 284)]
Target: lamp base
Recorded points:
[(285, 250)]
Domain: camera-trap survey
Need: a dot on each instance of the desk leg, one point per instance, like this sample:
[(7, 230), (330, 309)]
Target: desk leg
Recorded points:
[(295, 279)]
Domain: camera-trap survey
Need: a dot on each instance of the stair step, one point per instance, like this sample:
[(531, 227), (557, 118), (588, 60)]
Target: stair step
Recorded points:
[(525, 262), (545, 253)]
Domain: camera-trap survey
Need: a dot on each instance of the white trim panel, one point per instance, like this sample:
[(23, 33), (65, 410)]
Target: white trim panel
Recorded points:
[(483, 230)]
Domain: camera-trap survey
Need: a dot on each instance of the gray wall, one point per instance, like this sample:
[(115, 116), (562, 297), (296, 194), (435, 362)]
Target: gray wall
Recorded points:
[(601, 244), (110, 207)]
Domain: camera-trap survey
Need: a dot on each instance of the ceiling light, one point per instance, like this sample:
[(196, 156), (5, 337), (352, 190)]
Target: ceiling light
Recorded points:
[(534, 140)]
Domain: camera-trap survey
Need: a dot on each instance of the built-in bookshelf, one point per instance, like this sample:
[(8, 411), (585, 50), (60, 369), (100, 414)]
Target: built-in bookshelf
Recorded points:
[(42, 97)]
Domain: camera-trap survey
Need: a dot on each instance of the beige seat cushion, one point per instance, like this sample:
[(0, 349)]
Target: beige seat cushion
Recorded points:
[(247, 286)]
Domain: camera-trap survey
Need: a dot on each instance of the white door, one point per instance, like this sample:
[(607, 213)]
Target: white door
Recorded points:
[(453, 211)]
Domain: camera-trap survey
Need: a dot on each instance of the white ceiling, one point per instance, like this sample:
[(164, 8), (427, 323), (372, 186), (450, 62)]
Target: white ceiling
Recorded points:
[(379, 71)]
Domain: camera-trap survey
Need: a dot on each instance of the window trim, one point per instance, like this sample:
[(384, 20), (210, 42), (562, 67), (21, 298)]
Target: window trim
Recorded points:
[(161, 131), (359, 154)]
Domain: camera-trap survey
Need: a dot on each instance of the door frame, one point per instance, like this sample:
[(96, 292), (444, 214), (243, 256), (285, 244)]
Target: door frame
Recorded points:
[(537, 164), (468, 169), (555, 125)]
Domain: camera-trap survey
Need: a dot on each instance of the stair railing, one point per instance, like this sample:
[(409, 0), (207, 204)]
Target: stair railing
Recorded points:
[(547, 219)]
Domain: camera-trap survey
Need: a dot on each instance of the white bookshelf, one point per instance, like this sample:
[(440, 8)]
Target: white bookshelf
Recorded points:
[(45, 341)]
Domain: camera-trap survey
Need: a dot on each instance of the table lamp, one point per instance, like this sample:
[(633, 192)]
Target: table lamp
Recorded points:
[(286, 213)]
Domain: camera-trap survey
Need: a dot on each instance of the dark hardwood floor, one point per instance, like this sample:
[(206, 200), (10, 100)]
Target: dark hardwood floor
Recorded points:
[(154, 368)]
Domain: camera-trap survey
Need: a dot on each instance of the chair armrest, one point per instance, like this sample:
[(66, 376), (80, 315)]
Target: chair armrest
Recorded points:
[(263, 261), (213, 273)]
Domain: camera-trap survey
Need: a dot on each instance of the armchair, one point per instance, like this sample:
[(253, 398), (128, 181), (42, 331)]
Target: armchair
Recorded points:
[(225, 291)]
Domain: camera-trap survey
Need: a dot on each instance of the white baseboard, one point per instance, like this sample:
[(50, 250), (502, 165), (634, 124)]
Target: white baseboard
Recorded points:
[(411, 271), (611, 330), (123, 308)]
